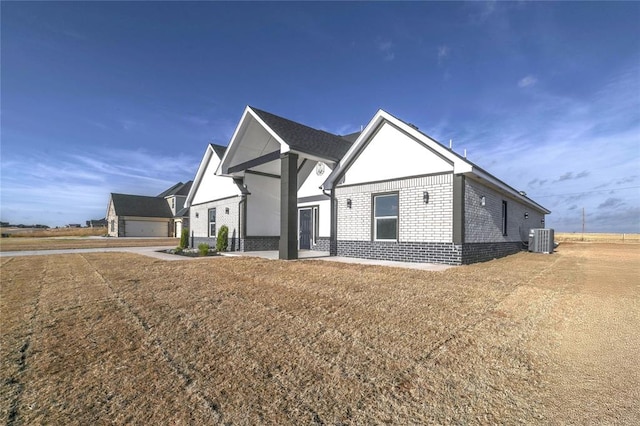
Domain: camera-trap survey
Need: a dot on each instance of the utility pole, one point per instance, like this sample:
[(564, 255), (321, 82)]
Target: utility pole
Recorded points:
[(583, 224)]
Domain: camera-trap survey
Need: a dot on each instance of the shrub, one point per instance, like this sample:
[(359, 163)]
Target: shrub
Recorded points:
[(178, 250), (223, 239), (203, 248), (184, 238)]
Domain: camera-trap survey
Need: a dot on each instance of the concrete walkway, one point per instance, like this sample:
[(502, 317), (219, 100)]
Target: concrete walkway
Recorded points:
[(323, 255), (145, 251), (271, 254)]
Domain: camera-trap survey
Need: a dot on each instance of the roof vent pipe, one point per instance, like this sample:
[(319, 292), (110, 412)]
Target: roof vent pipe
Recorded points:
[(450, 144), (465, 153)]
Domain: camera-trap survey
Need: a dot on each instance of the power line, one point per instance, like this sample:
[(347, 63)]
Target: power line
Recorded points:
[(585, 192)]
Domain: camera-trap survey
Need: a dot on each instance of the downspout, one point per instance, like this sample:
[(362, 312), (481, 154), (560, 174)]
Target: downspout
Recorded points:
[(241, 204), (333, 234), (242, 207)]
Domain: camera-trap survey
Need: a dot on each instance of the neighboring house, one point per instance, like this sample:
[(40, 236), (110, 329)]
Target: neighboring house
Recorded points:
[(176, 197), (389, 192), (97, 223), (141, 216)]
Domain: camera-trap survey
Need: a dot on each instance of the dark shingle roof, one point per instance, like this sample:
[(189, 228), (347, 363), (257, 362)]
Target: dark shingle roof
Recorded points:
[(218, 149), (304, 138), (140, 205), (177, 189), (351, 137), (183, 212)]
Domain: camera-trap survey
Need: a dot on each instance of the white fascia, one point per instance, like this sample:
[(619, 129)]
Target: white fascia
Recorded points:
[(497, 183), (284, 147), (223, 166), (201, 168), (459, 164), (247, 115)]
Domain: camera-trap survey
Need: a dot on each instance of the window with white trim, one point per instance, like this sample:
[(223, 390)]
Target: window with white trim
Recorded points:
[(212, 223), (385, 217)]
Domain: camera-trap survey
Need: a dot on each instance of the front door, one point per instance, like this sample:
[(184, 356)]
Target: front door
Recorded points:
[(305, 229)]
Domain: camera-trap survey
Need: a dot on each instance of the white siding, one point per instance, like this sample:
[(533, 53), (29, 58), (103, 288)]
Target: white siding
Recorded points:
[(392, 154), (324, 213), (214, 187), (263, 206), (311, 185)]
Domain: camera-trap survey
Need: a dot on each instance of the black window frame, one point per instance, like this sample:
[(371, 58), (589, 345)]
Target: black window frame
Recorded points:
[(504, 218), (374, 218), (212, 222)]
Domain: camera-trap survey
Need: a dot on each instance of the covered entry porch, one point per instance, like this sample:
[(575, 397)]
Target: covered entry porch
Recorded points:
[(281, 165)]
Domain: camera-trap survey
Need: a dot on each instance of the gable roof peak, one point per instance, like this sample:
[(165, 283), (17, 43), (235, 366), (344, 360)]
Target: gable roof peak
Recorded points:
[(303, 138)]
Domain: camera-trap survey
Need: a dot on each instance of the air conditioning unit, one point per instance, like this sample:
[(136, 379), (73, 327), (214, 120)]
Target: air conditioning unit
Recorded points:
[(541, 240)]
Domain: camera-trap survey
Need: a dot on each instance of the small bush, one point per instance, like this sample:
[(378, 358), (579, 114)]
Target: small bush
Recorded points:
[(203, 248), (184, 238), (178, 250), (223, 238)]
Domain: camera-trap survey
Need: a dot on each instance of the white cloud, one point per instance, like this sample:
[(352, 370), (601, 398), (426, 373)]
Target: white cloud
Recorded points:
[(386, 48), (75, 187), (527, 81), (443, 53), (566, 153)]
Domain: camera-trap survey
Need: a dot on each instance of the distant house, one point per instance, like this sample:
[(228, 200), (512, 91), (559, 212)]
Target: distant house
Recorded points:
[(97, 223), (142, 216), (389, 192)]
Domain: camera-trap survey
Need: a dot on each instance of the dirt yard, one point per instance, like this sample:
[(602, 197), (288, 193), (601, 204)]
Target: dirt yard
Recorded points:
[(118, 338), (23, 244)]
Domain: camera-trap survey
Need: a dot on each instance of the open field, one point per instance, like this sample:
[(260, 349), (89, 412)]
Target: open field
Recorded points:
[(596, 238), (22, 244), (57, 232), (118, 338)]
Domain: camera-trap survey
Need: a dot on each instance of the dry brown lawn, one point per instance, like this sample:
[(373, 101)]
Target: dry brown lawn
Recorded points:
[(119, 338), (53, 232), (24, 244), (572, 237)]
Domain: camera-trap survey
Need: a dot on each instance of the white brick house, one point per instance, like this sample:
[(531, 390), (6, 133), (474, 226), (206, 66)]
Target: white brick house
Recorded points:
[(388, 192), (400, 195)]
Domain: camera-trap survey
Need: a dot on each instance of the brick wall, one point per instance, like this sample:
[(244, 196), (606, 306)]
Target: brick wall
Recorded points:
[(418, 222), (419, 252), (200, 225), (483, 224), (259, 243)]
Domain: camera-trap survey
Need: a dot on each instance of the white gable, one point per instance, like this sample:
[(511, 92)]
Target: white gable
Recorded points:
[(391, 154), (208, 186), (316, 178)]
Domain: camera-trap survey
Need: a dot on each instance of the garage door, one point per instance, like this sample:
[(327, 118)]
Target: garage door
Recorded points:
[(142, 228)]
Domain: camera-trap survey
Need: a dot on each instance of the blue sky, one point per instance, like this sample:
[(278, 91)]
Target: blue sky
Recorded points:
[(123, 97)]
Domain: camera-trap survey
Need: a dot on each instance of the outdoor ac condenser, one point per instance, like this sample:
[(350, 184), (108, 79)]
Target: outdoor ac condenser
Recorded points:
[(541, 240)]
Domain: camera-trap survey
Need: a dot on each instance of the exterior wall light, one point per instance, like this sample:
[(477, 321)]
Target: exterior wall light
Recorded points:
[(197, 214), (348, 203), (483, 201), (542, 221), (526, 215), (425, 197)]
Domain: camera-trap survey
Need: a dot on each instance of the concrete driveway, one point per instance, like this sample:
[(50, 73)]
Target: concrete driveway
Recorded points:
[(156, 252)]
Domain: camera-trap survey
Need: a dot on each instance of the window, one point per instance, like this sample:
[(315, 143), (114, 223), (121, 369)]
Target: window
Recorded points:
[(212, 222), (385, 217), (173, 203), (113, 225), (504, 217)]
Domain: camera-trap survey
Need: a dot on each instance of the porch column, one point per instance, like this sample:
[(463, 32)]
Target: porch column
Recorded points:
[(288, 206)]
